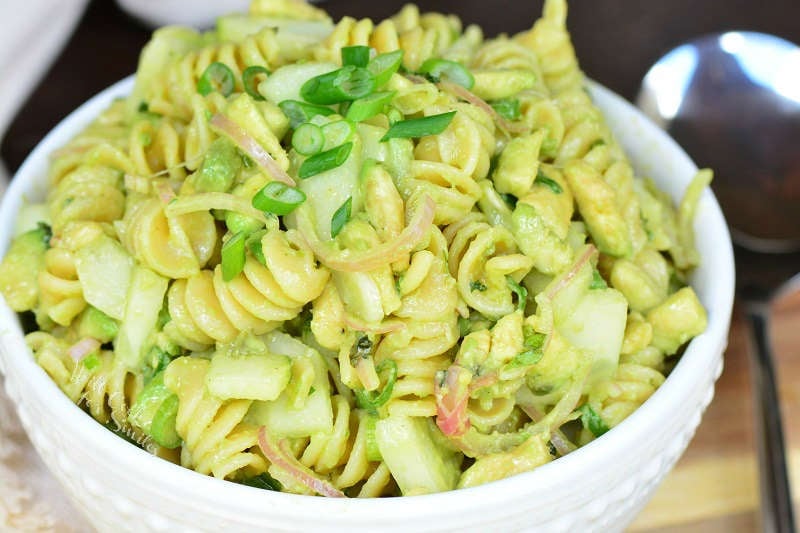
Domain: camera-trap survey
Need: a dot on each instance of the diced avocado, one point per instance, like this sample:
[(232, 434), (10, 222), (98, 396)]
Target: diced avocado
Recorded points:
[(676, 320), (219, 169), (282, 416), (549, 253), (417, 462), (166, 45), (105, 270), (498, 84), (154, 412), (524, 458), (597, 204), (252, 376), (639, 289), (19, 271), (98, 325), (143, 303), (518, 164)]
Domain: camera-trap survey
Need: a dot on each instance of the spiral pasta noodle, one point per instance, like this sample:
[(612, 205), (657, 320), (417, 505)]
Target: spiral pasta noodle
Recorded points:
[(374, 258)]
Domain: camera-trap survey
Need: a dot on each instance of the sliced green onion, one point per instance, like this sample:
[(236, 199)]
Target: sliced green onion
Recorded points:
[(250, 80), (298, 112), (217, 77), (233, 256), (263, 481), (278, 198), (592, 421), (91, 361), (446, 70), (547, 182), (341, 217), (324, 161), (308, 139), (597, 281), (346, 83), (358, 56), (419, 127), (254, 245), (371, 441), (163, 428), (337, 133), (383, 66), (520, 291), (369, 401), (369, 106), (507, 108)]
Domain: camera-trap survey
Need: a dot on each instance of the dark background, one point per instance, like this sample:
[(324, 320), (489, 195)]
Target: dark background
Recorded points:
[(616, 41)]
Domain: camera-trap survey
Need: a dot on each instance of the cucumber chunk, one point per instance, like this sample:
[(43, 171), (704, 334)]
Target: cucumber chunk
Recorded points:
[(252, 377), (154, 412)]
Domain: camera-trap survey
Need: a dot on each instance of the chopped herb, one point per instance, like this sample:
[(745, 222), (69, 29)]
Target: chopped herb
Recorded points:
[(144, 107), (597, 281), (477, 285), (552, 449), (341, 217), (358, 56), (217, 77), (419, 127), (263, 481), (592, 421), (346, 83), (233, 256), (250, 80), (444, 69), (520, 291), (542, 179), (533, 353), (598, 142), (278, 198), (323, 161), (383, 66), (507, 108), (155, 361), (300, 112), (46, 230)]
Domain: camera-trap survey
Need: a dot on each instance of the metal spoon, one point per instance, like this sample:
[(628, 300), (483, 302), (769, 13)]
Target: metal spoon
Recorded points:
[(732, 100)]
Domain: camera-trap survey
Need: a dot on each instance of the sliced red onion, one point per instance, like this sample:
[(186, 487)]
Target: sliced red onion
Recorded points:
[(278, 454), (83, 347), (386, 253), (564, 281), (451, 401), (251, 147), (474, 99)]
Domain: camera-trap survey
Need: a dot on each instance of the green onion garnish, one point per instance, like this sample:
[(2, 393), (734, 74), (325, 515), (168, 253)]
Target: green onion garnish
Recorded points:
[(592, 421), (419, 127), (337, 132), (308, 139), (233, 256), (371, 441), (547, 182), (278, 198), (263, 481), (324, 161), (217, 77), (299, 112), (358, 56), (370, 401), (369, 106), (254, 245), (346, 83), (533, 352), (91, 361), (507, 108), (383, 66), (250, 80), (446, 70), (520, 291), (341, 217)]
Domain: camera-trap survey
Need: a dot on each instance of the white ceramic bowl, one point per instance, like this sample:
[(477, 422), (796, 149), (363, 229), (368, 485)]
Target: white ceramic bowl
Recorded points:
[(599, 487)]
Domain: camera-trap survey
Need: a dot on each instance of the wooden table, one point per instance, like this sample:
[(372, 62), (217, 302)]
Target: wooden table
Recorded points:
[(714, 487)]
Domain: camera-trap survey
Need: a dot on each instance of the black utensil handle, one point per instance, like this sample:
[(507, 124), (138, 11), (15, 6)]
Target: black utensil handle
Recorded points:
[(776, 497)]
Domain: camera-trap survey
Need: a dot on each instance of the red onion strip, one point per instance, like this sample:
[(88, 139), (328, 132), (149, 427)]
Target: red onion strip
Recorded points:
[(83, 348), (386, 253), (451, 402), (251, 147), (278, 454), (564, 281), (474, 99)]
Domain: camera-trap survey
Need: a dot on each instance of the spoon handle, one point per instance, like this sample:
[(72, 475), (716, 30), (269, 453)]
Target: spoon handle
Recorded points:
[(776, 497)]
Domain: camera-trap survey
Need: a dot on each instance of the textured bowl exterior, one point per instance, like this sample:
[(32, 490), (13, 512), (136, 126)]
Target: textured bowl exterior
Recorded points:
[(600, 487)]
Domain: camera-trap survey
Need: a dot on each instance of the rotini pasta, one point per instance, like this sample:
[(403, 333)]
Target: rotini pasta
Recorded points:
[(341, 259)]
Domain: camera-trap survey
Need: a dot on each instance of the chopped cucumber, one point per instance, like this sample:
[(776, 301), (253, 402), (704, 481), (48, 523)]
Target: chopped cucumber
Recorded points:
[(105, 270), (144, 301), (252, 377), (418, 464), (285, 82)]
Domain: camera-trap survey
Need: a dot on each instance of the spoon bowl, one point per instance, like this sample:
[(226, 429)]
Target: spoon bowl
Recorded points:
[(732, 100)]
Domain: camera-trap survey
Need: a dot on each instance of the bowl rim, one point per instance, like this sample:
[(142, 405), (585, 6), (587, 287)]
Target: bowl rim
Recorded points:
[(575, 466)]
